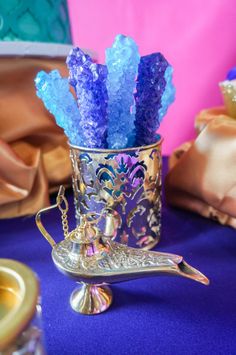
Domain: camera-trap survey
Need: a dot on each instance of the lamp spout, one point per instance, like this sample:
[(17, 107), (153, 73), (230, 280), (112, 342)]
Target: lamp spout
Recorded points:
[(189, 272)]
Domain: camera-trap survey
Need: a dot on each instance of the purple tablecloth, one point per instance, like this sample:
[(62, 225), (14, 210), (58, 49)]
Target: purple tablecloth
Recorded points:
[(166, 315)]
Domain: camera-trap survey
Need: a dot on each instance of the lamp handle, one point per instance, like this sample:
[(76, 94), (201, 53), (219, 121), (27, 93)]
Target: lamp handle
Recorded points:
[(60, 199)]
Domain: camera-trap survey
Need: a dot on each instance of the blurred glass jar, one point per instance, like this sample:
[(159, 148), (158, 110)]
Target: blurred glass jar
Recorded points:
[(20, 310)]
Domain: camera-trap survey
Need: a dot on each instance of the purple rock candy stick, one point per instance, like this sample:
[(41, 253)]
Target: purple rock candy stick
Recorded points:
[(89, 82), (151, 85)]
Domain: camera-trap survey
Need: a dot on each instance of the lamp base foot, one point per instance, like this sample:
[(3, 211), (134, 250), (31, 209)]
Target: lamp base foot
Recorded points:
[(91, 299)]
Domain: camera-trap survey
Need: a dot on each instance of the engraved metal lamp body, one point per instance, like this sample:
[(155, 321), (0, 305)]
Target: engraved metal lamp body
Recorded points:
[(126, 180), (95, 260)]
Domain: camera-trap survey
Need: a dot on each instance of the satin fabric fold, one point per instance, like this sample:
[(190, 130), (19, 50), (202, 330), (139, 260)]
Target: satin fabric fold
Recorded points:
[(202, 176), (34, 155)]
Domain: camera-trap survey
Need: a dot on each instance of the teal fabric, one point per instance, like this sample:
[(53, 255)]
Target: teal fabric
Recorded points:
[(34, 20)]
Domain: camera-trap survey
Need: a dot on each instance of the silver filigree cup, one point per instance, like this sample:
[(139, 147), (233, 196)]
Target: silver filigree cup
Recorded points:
[(126, 182)]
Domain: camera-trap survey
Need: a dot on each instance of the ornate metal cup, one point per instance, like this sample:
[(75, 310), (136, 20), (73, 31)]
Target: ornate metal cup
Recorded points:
[(125, 181)]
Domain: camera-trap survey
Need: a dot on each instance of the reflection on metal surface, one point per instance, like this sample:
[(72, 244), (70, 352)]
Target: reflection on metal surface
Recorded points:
[(127, 181), (95, 260), (91, 299), (20, 332)]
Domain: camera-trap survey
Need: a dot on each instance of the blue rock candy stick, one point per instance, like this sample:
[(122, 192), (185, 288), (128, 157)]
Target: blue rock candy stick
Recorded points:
[(122, 61), (89, 81), (54, 91), (168, 96), (151, 84)]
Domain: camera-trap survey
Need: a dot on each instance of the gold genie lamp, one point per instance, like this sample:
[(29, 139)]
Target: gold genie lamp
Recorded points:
[(94, 260)]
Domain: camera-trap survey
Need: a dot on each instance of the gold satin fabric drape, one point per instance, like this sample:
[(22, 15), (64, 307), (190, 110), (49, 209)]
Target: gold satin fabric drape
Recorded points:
[(202, 175), (34, 156)]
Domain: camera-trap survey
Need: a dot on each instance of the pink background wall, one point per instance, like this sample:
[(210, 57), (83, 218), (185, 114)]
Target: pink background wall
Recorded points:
[(196, 36)]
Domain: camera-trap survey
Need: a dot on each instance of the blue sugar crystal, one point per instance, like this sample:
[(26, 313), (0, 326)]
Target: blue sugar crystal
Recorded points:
[(53, 90), (89, 82), (231, 74), (151, 84), (168, 96), (122, 61), (77, 62)]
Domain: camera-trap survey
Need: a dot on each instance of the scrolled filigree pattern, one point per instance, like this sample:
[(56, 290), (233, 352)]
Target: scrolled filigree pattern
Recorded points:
[(127, 181)]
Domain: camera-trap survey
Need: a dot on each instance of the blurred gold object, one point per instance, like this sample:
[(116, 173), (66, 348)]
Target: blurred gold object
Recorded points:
[(228, 89), (206, 116), (202, 173), (19, 291), (95, 260)]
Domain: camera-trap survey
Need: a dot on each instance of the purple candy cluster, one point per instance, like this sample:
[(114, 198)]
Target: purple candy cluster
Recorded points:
[(89, 82), (151, 85), (231, 75), (114, 109)]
